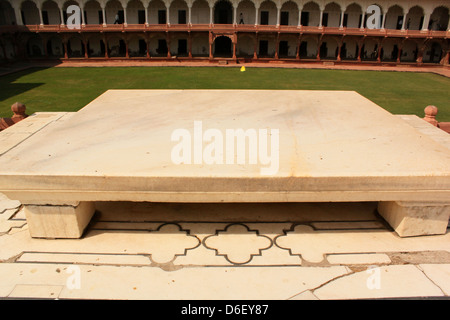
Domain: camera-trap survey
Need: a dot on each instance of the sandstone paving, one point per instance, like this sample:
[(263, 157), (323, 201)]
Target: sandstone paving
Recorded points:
[(299, 238), (36, 291), (438, 274), (26, 128), (7, 204), (427, 129), (305, 295), (295, 251), (85, 258), (361, 258), (124, 282), (141, 256), (394, 281)]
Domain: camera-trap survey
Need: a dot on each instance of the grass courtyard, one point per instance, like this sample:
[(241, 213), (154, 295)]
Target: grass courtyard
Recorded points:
[(69, 89)]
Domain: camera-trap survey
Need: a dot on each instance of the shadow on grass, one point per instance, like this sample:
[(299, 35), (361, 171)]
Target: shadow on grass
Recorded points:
[(9, 88)]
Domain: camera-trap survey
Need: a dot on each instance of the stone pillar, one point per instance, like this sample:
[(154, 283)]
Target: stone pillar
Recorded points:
[(341, 26), (400, 51), (190, 14), (105, 42), (16, 5), (430, 115), (66, 53), (363, 19), (360, 45), (256, 13), (445, 57), (44, 42), (190, 45), (169, 55), (404, 22), (339, 51), (104, 16), (168, 14), (19, 51), (297, 53), (410, 219), (380, 48), (300, 10), (210, 46), (211, 7), (321, 18), (420, 56), (234, 13), (125, 22), (319, 44), (86, 50), (421, 49), (83, 18), (277, 46), (65, 220), (278, 15), (146, 15), (40, 16), (255, 48), (383, 23), (426, 21), (61, 12), (234, 46)]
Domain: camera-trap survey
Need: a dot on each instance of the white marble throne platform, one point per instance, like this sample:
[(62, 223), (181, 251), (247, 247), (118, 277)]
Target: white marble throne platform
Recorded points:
[(333, 146)]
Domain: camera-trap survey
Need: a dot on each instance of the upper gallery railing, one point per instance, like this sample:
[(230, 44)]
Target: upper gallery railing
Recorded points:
[(228, 28)]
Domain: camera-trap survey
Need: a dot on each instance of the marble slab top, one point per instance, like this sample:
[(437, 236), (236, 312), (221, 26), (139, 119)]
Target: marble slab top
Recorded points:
[(178, 145)]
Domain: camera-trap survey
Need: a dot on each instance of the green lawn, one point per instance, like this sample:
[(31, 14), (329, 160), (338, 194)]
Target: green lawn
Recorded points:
[(69, 89)]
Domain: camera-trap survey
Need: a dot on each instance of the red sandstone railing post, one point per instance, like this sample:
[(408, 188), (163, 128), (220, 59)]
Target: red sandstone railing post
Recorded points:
[(19, 114), (430, 115)]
